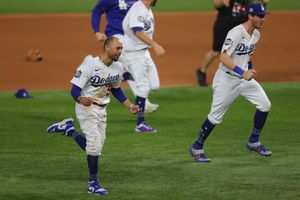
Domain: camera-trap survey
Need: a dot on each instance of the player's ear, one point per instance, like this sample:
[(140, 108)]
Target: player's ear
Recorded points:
[(153, 3)]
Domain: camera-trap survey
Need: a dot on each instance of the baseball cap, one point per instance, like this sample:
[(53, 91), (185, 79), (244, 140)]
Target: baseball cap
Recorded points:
[(22, 93), (256, 9)]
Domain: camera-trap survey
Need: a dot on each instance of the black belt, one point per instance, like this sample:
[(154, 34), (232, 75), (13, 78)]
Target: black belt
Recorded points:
[(100, 105), (234, 75)]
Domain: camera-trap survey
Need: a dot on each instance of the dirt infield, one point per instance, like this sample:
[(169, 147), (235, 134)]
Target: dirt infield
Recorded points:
[(64, 40)]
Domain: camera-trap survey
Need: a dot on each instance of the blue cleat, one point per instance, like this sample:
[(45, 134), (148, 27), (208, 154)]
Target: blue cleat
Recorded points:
[(94, 187), (62, 127), (198, 155), (259, 148), (145, 128)]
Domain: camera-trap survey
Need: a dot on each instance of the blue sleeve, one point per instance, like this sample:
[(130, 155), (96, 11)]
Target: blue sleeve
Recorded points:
[(101, 7), (118, 94), (75, 92), (135, 29)]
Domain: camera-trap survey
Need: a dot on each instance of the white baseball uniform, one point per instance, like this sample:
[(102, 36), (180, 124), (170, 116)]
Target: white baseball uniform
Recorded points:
[(228, 85), (139, 61), (95, 79)]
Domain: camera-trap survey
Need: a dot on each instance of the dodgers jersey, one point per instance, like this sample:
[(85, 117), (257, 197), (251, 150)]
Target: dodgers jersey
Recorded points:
[(240, 46), (115, 11), (138, 16), (96, 79)]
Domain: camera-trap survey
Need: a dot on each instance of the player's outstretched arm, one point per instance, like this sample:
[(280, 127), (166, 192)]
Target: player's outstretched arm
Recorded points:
[(159, 51), (228, 62), (119, 94), (131, 107)]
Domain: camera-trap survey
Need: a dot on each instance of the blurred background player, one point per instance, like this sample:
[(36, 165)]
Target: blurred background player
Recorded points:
[(138, 26), (234, 78), (95, 78), (230, 14), (115, 11)]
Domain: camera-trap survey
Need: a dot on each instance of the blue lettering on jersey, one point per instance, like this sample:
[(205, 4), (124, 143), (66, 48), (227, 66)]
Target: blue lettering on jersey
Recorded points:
[(242, 49), (97, 81)]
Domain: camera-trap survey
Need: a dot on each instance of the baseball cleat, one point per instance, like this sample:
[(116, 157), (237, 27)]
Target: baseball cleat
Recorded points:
[(151, 107), (94, 187), (144, 128), (259, 148), (198, 155), (64, 126)]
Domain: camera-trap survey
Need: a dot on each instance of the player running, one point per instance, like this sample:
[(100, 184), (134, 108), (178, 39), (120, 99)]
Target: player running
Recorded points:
[(115, 11), (95, 78), (235, 77), (138, 26)]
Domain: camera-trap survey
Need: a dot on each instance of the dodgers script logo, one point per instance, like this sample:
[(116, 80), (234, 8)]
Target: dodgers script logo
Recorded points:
[(97, 81), (242, 49)]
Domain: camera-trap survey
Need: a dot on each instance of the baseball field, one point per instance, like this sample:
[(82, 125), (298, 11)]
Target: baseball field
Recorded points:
[(38, 166)]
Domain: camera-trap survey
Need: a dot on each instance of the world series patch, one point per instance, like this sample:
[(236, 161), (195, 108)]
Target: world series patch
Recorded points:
[(227, 41), (78, 74)]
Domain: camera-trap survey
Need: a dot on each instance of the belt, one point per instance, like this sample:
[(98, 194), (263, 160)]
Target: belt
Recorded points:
[(234, 75), (100, 105)]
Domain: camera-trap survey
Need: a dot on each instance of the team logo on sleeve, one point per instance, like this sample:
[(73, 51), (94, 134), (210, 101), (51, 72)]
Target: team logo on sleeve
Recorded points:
[(141, 19), (228, 41), (78, 74)]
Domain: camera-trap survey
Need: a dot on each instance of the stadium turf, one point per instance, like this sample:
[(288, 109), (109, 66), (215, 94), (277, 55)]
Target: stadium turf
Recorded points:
[(38, 165)]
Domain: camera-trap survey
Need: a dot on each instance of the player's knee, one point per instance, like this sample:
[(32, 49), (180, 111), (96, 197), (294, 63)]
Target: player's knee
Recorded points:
[(265, 107), (94, 147), (154, 87), (214, 120)]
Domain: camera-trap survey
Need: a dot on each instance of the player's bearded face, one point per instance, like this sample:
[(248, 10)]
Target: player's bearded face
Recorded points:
[(115, 51), (258, 20)]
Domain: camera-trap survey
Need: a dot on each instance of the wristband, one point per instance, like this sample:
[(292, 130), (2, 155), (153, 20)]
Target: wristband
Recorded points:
[(238, 70), (250, 66)]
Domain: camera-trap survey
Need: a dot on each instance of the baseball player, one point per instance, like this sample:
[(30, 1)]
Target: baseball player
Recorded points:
[(235, 77), (138, 26), (115, 11), (230, 14), (95, 78)]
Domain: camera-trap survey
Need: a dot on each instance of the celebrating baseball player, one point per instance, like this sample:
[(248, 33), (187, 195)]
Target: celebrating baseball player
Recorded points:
[(115, 11), (138, 26), (235, 77), (95, 78), (230, 14)]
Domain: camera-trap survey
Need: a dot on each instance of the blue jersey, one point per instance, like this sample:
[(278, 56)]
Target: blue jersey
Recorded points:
[(115, 11)]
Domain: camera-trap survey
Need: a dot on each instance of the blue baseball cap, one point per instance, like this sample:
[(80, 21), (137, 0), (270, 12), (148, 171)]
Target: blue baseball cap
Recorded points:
[(256, 9), (22, 93)]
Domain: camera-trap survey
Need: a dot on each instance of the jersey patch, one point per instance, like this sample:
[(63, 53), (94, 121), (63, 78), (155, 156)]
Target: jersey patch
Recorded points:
[(141, 19), (228, 41), (78, 74)]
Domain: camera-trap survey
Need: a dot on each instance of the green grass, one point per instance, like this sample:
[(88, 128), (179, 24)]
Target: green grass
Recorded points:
[(36, 165), (67, 6)]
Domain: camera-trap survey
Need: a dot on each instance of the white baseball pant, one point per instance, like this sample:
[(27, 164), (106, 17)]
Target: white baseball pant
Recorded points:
[(92, 120), (144, 72), (226, 88)]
